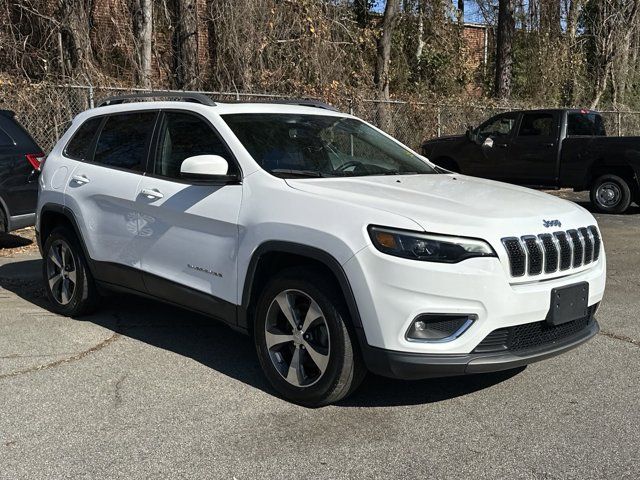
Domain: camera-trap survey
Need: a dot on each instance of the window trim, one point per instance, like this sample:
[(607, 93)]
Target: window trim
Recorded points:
[(155, 143)]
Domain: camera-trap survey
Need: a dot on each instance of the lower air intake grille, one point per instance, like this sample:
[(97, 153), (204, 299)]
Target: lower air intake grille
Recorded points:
[(532, 336)]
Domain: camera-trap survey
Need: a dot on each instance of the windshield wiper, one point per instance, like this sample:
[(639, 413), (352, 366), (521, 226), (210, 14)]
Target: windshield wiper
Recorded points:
[(296, 172)]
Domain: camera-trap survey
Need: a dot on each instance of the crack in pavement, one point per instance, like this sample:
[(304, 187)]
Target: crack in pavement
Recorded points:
[(622, 338), (63, 361)]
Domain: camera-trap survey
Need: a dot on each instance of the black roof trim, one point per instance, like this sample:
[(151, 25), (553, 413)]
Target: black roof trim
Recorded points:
[(185, 96)]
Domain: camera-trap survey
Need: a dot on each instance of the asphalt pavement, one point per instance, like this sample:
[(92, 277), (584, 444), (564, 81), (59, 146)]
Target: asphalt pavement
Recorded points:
[(142, 390)]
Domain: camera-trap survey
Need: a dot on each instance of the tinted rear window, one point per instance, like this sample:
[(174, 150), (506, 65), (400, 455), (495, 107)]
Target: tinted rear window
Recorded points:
[(5, 139), (78, 147), (124, 140), (579, 123)]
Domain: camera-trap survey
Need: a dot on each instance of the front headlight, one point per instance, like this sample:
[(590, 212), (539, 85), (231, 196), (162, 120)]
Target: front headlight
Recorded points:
[(428, 247)]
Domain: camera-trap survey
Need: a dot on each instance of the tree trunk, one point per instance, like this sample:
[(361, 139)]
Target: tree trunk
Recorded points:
[(550, 18), (361, 9), (142, 16), (504, 48), (187, 71), (383, 60), (420, 32), (74, 27)]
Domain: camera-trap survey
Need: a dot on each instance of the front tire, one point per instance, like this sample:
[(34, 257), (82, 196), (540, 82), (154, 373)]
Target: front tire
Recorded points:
[(302, 339), (68, 282), (611, 194), (4, 227)]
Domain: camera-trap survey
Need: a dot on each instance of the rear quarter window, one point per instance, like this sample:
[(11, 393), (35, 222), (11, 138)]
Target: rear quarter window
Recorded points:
[(78, 147)]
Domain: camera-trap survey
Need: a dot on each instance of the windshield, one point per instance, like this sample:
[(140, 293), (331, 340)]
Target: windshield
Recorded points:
[(292, 145)]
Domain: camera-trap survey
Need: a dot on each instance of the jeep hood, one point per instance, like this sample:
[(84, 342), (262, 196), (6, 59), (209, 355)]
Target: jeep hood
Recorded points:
[(453, 204)]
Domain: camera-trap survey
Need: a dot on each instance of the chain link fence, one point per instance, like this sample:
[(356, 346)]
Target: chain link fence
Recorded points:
[(46, 110)]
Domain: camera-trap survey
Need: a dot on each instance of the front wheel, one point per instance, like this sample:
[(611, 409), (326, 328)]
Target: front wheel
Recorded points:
[(303, 343), (611, 194)]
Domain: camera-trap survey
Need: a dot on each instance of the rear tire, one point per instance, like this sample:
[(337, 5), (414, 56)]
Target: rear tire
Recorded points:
[(3, 222), (68, 282), (611, 194), (303, 341)]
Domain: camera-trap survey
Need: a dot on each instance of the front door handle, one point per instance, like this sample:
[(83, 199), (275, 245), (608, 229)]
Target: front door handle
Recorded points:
[(80, 179), (548, 145), (152, 193), (501, 145)]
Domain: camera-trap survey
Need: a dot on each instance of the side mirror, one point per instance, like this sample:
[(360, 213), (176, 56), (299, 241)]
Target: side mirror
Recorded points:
[(206, 169), (488, 142), (470, 133)]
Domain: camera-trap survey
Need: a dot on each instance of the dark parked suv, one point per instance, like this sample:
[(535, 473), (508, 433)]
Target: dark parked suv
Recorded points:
[(20, 161)]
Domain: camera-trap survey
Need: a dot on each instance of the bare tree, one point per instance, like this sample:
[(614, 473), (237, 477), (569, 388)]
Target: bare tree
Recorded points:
[(142, 18), (187, 67), (383, 59), (76, 51), (504, 48)]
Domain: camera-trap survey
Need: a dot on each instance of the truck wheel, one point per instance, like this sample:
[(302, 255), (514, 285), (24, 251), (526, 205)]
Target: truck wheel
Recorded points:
[(67, 279), (302, 340), (611, 194)]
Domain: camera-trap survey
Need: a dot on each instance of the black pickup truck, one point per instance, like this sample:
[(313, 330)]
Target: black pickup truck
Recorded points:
[(547, 149)]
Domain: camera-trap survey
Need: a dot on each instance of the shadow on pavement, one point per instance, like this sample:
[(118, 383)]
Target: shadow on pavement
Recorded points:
[(230, 353), (8, 240)]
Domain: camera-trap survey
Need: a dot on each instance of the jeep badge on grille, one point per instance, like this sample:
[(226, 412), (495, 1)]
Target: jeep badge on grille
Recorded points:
[(551, 223)]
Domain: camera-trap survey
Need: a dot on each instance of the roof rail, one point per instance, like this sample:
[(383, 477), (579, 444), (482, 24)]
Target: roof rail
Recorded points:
[(186, 96), (306, 103)]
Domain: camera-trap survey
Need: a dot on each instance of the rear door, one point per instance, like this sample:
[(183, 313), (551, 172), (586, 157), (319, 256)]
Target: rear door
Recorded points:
[(533, 156), (102, 191), (189, 232)]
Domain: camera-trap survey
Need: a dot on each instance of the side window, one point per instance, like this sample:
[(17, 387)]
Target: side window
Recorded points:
[(536, 125), (78, 146), (5, 139), (124, 140), (585, 124), (500, 126), (182, 136)]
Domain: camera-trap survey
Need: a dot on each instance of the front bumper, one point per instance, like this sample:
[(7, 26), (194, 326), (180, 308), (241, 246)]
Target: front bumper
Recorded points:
[(413, 366)]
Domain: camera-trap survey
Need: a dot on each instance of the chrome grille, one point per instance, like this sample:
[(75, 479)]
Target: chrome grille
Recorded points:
[(560, 251)]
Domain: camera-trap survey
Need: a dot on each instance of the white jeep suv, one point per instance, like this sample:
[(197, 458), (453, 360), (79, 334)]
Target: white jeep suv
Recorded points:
[(337, 248)]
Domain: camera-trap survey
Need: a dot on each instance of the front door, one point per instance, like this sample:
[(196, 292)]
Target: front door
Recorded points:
[(492, 144), (190, 233)]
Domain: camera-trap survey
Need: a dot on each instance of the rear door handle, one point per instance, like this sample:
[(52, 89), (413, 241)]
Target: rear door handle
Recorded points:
[(549, 145), (81, 179), (152, 193)]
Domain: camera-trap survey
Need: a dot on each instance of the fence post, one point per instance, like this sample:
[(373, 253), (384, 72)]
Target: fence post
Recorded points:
[(438, 121), (351, 106), (90, 96), (619, 123)]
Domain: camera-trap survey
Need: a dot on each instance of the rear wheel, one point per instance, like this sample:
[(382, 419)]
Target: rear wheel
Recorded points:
[(68, 282), (611, 194), (302, 339)]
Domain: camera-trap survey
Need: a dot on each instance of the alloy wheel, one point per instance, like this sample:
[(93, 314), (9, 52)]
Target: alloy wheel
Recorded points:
[(61, 272), (297, 338)]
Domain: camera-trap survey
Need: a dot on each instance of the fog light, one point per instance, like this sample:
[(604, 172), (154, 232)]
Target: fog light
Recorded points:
[(439, 327)]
